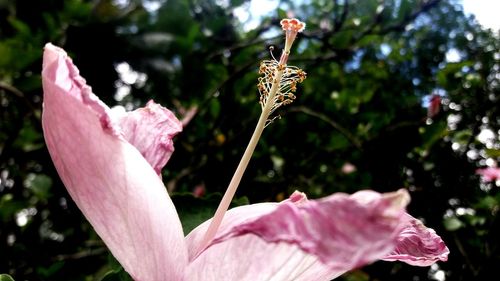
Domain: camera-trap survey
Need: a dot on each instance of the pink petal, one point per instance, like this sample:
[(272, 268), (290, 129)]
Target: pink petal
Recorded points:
[(418, 245), (232, 218), (249, 258), (301, 240), (434, 106), (150, 130), (113, 185), (489, 174)]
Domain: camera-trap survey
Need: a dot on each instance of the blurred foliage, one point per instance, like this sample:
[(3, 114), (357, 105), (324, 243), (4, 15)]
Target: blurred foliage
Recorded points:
[(360, 119), (5, 277)]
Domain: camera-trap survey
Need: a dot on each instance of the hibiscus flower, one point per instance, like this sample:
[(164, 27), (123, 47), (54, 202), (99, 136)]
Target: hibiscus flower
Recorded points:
[(111, 163)]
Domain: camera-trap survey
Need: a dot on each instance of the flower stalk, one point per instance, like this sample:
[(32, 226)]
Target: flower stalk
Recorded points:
[(275, 87)]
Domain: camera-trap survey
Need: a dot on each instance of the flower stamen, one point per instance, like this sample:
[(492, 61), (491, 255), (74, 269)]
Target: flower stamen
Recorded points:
[(290, 77), (276, 86)]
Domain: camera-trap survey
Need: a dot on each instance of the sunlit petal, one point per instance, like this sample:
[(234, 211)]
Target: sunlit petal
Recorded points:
[(111, 182)]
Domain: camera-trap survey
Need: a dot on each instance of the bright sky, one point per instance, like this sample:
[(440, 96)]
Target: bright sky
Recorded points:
[(486, 12)]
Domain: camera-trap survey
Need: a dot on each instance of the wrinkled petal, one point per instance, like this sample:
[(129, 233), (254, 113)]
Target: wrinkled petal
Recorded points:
[(248, 257), (418, 245), (235, 217), (113, 185), (301, 240), (150, 130)]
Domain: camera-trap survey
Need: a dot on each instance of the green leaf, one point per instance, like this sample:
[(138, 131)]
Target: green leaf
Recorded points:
[(342, 39), (117, 275), (6, 277), (453, 223), (214, 108), (338, 141), (488, 202), (446, 75), (21, 27), (369, 40), (493, 153), (281, 13), (29, 138), (476, 220), (356, 275), (30, 83), (9, 207), (79, 9), (405, 9), (236, 3), (49, 271), (463, 136), (433, 133), (41, 185)]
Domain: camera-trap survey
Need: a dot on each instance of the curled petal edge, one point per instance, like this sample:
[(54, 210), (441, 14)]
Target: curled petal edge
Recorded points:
[(418, 245)]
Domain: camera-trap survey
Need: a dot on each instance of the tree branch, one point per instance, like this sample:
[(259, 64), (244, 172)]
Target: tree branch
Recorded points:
[(18, 93), (330, 122)]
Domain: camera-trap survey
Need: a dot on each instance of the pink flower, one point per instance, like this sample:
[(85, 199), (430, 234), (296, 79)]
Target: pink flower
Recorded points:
[(434, 106), (110, 165), (199, 190), (489, 174)]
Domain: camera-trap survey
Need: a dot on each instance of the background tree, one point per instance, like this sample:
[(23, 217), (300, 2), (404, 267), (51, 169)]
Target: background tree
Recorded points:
[(360, 120)]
